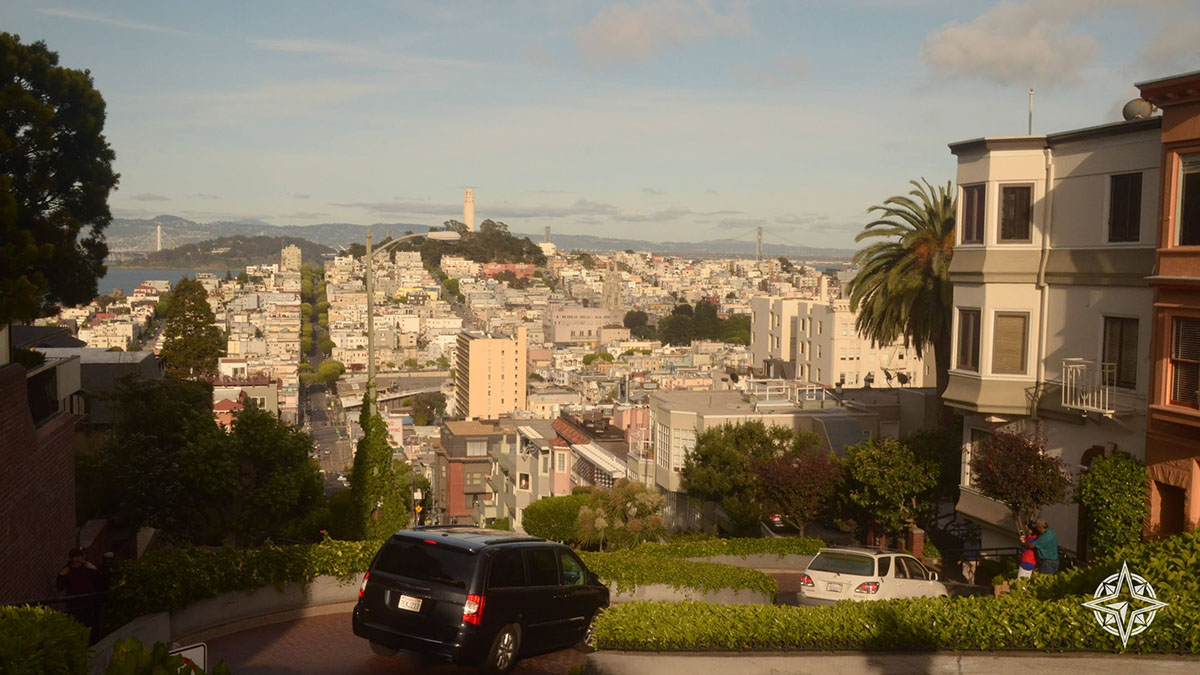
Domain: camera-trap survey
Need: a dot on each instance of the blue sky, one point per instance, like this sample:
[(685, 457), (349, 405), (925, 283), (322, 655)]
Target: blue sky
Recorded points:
[(652, 119)]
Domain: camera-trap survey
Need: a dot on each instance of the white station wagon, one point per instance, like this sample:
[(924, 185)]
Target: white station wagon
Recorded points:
[(866, 574)]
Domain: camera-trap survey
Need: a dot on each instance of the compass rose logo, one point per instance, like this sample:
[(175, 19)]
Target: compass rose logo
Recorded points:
[(1120, 616)]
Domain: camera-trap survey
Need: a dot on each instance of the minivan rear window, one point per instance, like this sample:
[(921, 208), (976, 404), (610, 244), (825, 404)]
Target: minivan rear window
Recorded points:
[(844, 563), (426, 562)]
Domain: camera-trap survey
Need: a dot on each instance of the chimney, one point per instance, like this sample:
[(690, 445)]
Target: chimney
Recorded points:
[(823, 289)]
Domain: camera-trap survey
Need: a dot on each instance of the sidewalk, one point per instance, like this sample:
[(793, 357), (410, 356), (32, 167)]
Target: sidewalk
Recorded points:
[(758, 663)]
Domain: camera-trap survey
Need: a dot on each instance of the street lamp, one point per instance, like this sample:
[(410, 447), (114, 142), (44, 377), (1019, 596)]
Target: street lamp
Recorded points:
[(436, 235)]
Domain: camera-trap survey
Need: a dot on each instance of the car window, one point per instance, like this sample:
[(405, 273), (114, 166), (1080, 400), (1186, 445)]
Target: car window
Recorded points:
[(542, 566), (572, 569), (901, 570), (843, 563), (915, 569), (426, 562), (508, 569), (885, 566)]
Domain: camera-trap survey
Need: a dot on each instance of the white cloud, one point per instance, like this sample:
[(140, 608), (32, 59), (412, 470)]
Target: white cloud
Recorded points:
[(1174, 49), (108, 21), (1017, 43), (633, 33), (809, 219)]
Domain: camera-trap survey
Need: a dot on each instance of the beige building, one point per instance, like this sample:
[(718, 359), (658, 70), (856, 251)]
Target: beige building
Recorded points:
[(815, 341), (573, 324), (290, 259), (490, 375), (1052, 308)]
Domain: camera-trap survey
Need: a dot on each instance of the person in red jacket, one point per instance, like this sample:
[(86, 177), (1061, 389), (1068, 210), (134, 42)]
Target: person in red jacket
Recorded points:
[(1028, 557)]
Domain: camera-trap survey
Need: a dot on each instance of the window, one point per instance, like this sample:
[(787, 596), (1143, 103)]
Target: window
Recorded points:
[(562, 462), (476, 448), (522, 481), (542, 567), (572, 569), (915, 569), (1120, 349), (968, 339), (545, 462), (1008, 343), (1125, 207), (885, 566), (1187, 219), (1185, 363), (1015, 212), (508, 570), (973, 201), (426, 562)]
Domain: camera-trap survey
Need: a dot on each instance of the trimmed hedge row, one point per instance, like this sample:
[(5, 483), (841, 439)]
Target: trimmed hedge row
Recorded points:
[(1017, 621), (628, 569), (174, 578), (743, 547), (41, 641), (1172, 566)]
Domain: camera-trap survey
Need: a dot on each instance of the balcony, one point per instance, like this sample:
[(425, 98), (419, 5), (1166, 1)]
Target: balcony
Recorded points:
[(1089, 386)]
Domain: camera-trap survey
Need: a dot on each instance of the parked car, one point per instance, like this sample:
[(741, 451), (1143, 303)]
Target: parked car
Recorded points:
[(476, 597), (847, 573)]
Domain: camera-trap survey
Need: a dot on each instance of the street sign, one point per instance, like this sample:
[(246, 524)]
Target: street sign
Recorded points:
[(196, 654), (418, 508)]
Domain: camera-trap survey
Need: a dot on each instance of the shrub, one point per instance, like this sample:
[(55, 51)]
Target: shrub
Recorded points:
[(623, 517), (555, 518), (1112, 493), (500, 524), (707, 548), (130, 657), (1169, 565), (627, 569), (174, 578), (1015, 621), (38, 640)]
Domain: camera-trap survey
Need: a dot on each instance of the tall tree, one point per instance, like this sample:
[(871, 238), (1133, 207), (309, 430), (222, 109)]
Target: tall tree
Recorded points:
[(378, 490), (903, 287), (798, 486), (1014, 469), (192, 343), (886, 479), (55, 177)]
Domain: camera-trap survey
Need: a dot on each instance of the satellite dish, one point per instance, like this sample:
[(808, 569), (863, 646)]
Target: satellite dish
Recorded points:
[(903, 378), (1137, 109), (733, 377)]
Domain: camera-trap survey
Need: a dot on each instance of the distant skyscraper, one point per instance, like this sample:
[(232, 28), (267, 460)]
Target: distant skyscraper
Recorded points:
[(547, 234), (469, 209), (289, 259)]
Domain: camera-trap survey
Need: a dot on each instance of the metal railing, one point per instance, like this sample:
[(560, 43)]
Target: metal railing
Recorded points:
[(1087, 385)]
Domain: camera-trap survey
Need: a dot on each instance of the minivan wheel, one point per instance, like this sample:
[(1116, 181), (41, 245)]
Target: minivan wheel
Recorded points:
[(587, 643), (383, 650), (503, 655)]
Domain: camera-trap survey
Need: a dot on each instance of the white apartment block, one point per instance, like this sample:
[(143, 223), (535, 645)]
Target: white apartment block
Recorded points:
[(1052, 311)]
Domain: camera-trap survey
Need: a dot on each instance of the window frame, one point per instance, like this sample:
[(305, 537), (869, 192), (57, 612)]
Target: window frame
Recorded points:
[(977, 349), (1000, 239), (1180, 158), (1172, 360), (980, 211), (1137, 213), (1024, 370), (1104, 348)]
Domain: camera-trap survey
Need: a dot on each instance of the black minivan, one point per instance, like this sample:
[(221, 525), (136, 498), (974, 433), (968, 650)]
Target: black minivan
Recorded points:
[(475, 596)]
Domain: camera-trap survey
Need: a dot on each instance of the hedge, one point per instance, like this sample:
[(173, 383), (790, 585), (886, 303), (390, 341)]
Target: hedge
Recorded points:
[(174, 578), (1172, 566), (554, 518), (41, 641), (707, 548), (627, 569), (1017, 621)]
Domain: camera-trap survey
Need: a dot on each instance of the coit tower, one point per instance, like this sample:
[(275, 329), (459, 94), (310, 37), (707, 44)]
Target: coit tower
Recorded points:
[(469, 209)]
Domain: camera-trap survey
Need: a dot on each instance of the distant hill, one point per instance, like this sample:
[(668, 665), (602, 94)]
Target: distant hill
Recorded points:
[(232, 252), (139, 235)]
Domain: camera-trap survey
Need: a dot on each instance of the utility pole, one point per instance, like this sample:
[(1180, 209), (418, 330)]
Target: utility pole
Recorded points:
[(370, 327), (760, 244), (1031, 111)]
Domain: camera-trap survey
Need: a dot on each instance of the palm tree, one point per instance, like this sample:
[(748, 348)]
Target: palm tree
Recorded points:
[(903, 285)]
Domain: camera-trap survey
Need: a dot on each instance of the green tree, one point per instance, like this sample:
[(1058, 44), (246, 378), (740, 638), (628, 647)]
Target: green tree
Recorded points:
[(191, 343), (785, 265), (411, 364), (57, 174), (1112, 495), (329, 371), (1014, 469), (678, 328), (723, 468), (556, 518), (427, 407), (903, 287), (798, 486), (306, 344), (885, 479), (378, 489), (623, 517), (635, 319)]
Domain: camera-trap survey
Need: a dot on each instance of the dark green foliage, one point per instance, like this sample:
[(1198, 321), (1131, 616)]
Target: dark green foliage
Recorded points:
[(379, 491), (556, 518), (427, 407), (799, 485), (785, 265), (234, 251), (686, 324), (1112, 494), (329, 371), (708, 547), (903, 288), (627, 569), (500, 524), (941, 447), (191, 343), (55, 177), (41, 641), (1014, 469), (885, 479), (636, 318), (130, 657)]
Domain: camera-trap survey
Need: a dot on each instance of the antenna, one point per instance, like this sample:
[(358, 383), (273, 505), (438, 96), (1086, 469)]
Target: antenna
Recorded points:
[(760, 244), (1031, 111)]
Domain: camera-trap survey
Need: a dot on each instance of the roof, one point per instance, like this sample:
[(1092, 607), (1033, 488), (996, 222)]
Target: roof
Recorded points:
[(470, 428), (225, 405), (603, 459), (28, 337), (95, 354), (472, 538), (710, 403)]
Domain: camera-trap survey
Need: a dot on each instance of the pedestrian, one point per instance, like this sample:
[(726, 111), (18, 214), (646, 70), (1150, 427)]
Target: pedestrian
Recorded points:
[(1028, 561), (970, 559), (81, 578), (1045, 547)]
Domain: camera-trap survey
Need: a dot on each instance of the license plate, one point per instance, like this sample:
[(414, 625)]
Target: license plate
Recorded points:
[(410, 603), (836, 588)]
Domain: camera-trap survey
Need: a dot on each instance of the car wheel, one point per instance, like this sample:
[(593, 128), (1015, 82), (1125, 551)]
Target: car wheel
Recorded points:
[(587, 644), (383, 650), (503, 655)]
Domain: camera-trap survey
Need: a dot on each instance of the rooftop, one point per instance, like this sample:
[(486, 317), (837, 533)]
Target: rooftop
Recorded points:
[(95, 354)]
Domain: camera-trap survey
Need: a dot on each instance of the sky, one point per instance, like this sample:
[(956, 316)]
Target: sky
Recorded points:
[(663, 120)]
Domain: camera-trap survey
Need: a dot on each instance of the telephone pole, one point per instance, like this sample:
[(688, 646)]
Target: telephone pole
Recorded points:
[(760, 244), (370, 327)]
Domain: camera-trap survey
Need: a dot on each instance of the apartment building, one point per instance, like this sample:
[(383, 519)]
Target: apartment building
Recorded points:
[(462, 462), (289, 259), (490, 375), (1052, 309), (535, 464), (571, 324), (1173, 427)]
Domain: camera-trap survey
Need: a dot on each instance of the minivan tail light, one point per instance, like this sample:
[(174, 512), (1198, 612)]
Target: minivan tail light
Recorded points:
[(868, 587), (473, 609), (362, 588), (806, 580)]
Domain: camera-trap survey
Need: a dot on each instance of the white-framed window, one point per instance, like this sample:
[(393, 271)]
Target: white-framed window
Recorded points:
[(1010, 334), (562, 462), (1016, 213), (545, 463), (968, 339), (1187, 211), (476, 448), (523, 481), (973, 200)]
